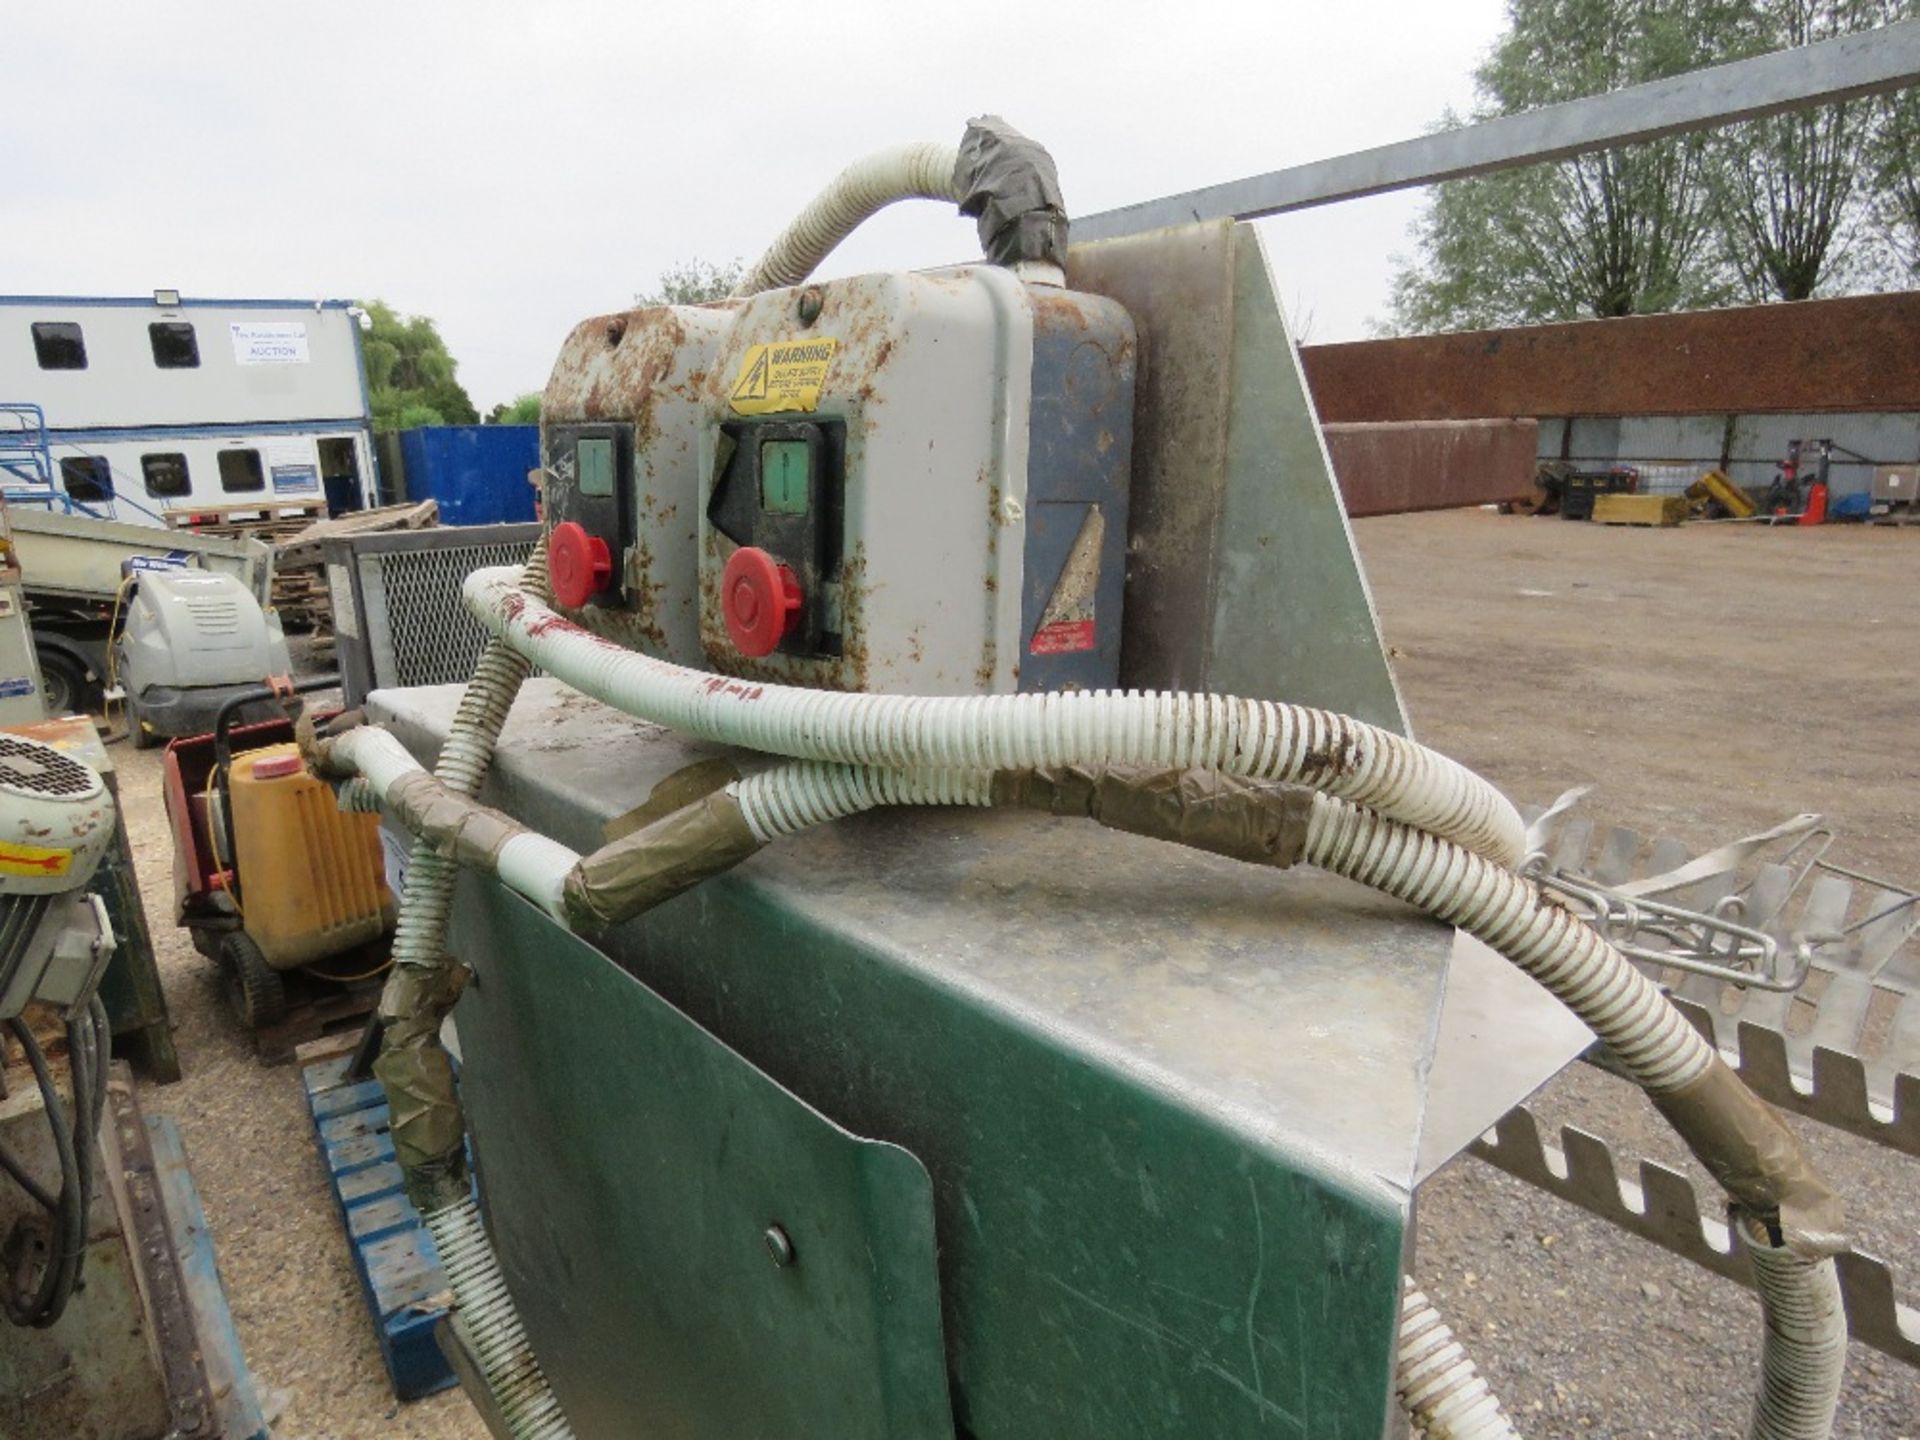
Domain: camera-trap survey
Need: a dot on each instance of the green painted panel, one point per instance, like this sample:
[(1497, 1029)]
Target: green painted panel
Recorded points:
[(1118, 1257), (639, 1175)]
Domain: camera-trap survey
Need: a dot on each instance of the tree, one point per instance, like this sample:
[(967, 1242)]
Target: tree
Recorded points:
[(1619, 232), (524, 410), (695, 282), (1787, 189), (410, 375), (1895, 170)]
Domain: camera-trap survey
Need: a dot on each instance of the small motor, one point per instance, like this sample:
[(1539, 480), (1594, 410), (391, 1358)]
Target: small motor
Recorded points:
[(56, 822)]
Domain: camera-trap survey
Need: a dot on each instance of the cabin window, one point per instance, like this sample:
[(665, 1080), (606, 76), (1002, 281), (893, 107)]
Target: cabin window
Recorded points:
[(59, 345), (87, 478), (174, 345), (166, 475), (240, 471)]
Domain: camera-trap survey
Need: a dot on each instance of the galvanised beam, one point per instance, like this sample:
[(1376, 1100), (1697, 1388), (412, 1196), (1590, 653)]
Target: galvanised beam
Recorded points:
[(1845, 68)]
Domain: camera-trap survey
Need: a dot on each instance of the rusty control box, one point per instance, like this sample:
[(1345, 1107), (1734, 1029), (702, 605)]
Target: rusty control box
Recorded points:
[(892, 483)]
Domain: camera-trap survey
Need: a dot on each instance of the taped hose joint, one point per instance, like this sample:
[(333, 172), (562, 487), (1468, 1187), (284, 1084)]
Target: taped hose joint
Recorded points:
[(656, 862), (1009, 184), (1202, 809), (428, 1127)]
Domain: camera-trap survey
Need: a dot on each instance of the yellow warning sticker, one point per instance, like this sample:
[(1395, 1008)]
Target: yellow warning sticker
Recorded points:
[(33, 860), (781, 376)]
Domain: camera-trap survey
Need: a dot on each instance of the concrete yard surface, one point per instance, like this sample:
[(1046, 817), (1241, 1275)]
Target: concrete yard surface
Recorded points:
[(1706, 681)]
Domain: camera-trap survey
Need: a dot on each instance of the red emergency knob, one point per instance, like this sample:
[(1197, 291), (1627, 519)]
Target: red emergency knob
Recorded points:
[(578, 564), (761, 599)]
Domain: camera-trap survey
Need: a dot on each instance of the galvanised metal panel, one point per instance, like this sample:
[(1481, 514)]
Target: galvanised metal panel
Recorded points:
[(1593, 443), (1233, 493), (1672, 439), (1173, 1108), (1760, 444)]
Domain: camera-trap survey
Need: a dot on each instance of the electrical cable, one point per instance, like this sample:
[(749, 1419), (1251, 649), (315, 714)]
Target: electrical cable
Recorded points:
[(43, 1305)]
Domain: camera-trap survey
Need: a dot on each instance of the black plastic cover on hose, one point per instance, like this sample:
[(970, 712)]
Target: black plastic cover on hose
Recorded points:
[(1009, 184)]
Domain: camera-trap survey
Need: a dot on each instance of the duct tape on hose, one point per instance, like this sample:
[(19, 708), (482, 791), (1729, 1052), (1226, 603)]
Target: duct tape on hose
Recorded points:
[(674, 853), (1756, 1158), (1009, 184), (1203, 809), (429, 1134), (456, 827)]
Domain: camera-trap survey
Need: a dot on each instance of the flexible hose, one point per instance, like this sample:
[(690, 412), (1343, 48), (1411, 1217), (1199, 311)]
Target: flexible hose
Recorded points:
[(787, 799), (1566, 955), (922, 171), (1254, 739), (1804, 1354), (512, 1371), (1435, 1379), (514, 1378)]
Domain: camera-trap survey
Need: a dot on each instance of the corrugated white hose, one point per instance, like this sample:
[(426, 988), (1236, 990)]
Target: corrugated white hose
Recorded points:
[(1565, 954), (1255, 739), (1436, 1381), (907, 172), (787, 799), (1803, 1359), (1804, 1355), (513, 1374)]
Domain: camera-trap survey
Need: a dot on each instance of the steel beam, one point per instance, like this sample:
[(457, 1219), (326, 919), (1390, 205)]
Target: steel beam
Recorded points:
[(1844, 68)]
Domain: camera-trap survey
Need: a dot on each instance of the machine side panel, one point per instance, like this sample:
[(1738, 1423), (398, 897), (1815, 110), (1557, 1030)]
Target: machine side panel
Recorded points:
[(772, 1274), (1113, 1263), (1079, 470)]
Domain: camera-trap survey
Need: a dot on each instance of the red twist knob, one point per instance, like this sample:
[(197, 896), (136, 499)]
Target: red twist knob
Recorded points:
[(761, 599), (578, 564)]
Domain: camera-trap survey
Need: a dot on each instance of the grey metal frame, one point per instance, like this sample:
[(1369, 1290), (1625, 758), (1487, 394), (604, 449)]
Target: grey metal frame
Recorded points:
[(1846, 68), (369, 644)]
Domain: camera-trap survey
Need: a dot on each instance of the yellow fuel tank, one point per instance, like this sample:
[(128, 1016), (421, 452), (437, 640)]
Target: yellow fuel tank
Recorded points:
[(312, 882)]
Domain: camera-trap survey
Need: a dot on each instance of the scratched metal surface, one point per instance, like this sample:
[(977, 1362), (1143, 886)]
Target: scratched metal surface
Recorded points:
[(1172, 1106)]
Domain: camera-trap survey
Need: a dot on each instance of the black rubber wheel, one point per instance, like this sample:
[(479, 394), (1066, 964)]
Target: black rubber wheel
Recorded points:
[(63, 683), (254, 988)]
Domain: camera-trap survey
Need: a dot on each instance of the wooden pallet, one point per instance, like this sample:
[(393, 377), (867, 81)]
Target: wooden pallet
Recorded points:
[(331, 1014), (307, 547)]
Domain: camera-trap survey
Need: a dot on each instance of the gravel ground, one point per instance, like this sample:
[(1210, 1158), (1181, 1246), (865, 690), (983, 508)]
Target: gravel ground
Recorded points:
[(295, 1301), (1707, 681)]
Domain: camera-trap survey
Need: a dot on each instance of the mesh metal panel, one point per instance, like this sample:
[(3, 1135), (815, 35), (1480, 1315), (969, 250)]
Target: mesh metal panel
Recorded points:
[(427, 637)]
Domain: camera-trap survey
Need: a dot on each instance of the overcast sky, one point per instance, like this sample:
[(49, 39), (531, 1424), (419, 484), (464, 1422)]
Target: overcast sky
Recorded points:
[(510, 169)]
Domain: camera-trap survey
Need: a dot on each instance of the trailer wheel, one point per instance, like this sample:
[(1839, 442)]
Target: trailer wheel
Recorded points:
[(63, 682), (254, 988)]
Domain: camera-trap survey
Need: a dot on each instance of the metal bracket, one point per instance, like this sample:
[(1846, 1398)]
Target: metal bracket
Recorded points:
[(1662, 1207), (1840, 1045)]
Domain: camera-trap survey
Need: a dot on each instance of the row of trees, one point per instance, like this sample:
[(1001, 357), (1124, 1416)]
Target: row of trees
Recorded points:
[(1816, 202)]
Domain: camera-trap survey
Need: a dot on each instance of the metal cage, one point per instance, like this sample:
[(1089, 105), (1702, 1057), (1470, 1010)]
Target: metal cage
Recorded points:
[(396, 602)]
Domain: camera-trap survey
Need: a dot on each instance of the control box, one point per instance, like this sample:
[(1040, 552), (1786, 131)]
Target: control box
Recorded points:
[(906, 483)]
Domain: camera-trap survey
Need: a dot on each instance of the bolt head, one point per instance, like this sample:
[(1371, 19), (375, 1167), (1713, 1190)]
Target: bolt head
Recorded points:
[(779, 1246)]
